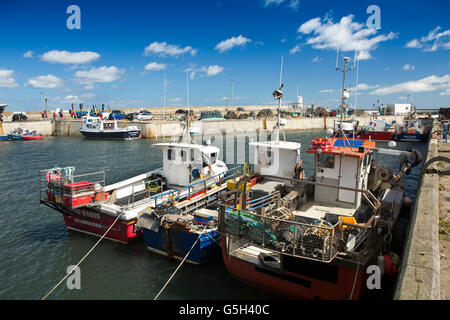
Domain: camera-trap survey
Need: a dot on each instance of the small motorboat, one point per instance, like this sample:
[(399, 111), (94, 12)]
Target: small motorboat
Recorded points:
[(24, 134), (33, 135)]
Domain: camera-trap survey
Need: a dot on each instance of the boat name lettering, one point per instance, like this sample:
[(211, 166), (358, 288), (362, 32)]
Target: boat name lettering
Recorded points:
[(87, 213), (89, 223)]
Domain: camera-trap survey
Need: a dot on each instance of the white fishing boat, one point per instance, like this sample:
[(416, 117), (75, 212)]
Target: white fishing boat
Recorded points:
[(97, 128), (190, 172)]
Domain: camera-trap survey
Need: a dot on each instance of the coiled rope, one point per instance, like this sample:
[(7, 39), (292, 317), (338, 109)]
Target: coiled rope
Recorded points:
[(85, 256), (179, 266)]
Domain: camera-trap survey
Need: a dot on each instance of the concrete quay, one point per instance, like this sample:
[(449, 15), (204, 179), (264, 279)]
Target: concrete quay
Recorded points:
[(419, 273), (160, 128)]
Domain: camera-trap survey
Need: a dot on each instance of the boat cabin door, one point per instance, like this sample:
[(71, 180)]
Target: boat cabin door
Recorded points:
[(348, 177)]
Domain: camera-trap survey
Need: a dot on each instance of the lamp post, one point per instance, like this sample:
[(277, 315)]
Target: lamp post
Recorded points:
[(232, 80)]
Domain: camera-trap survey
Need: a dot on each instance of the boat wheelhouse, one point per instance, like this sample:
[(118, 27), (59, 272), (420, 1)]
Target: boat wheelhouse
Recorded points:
[(97, 128)]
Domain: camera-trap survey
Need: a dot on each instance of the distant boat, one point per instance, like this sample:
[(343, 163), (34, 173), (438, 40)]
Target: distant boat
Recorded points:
[(97, 128), (377, 130), (23, 134), (414, 130)]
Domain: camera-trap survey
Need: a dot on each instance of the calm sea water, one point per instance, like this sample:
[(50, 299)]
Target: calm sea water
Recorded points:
[(36, 248)]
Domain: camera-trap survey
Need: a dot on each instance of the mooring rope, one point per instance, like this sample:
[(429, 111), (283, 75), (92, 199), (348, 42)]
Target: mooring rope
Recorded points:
[(184, 259), (354, 281), (79, 262)]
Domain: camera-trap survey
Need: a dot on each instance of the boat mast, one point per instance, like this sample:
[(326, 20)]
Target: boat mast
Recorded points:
[(278, 94), (344, 94), (164, 97)]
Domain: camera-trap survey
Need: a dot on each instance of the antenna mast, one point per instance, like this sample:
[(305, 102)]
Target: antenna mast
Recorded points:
[(344, 94)]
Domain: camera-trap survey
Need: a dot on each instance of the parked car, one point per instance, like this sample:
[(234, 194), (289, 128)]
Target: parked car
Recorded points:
[(19, 116), (131, 116), (117, 114), (144, 115)]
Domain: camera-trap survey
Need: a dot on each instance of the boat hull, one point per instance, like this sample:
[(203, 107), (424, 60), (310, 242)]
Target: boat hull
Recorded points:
[(411, 137), (14, 137), (318, 284), (94, 222), (115, 135), (32, 137), (176, 244), (376, 136)]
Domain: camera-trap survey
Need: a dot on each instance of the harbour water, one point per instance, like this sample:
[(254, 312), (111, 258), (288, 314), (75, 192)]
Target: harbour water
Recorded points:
[(36, 248)]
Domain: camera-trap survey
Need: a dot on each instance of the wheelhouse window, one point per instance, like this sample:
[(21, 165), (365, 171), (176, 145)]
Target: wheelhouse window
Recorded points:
[(171, 154), (325, 161), (213, 157)]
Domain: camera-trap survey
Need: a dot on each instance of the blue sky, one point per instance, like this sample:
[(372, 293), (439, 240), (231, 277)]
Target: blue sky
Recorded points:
[(124, 48)]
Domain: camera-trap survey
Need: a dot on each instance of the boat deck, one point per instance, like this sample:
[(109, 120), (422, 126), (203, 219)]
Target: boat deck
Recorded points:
[(318, 210), (249, 254)]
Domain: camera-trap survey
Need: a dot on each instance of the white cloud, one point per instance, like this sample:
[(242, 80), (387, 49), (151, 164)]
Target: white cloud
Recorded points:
[(408, 67), (154, 66), (293, 4), (344, 35), (72, 99), (431, 83), (433, 41), (98, 75), (67, 57), (294, 49), (270, 2), (177, 99), (204, 71), (213, 70), (327, 91), (309, 26), (363, 86), (6, 79), (316, 59), (414, 44), (163, 49), (47, 82), (229, 44), (28, 54)]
